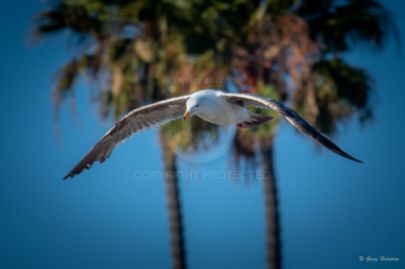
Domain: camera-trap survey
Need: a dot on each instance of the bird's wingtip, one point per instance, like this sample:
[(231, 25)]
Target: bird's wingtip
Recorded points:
[(346, 155), (68, 176), (357, 160), (353, 159)]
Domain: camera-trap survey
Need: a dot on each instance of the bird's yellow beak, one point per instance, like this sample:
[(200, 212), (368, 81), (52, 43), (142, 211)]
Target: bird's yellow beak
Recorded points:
[(186, 114)]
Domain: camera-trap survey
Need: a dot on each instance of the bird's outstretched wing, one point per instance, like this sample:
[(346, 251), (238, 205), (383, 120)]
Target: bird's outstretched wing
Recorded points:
[(136, 120), (290, 115)]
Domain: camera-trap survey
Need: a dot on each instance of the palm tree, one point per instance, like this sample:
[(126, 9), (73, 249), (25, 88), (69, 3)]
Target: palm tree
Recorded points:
[(289, 50), (127, 66), (303, 43), (300, 42)]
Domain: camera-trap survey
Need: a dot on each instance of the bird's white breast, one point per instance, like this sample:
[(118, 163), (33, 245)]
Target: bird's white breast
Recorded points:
[(216, 109)]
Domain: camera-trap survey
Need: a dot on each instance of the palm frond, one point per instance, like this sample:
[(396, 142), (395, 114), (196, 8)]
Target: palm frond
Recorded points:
[(342, 24)]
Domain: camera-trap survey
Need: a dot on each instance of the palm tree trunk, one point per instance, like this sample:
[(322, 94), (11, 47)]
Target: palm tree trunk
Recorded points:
[(173, 205), (271, 207)]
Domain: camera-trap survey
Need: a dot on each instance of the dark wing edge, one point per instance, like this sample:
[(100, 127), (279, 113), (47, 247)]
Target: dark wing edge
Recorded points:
[(135, 121), (292, 117)]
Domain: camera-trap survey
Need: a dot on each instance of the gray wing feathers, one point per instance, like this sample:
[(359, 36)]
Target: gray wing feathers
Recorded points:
[(291, 116), (135, 121)]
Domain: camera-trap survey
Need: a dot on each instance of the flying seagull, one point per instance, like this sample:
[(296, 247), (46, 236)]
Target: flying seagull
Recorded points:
[(214, 106)]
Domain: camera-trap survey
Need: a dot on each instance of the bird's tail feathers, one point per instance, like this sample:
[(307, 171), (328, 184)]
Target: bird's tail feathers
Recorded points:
[(254, 120)]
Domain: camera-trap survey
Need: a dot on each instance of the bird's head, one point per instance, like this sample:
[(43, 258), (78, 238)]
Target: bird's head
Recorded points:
[(192, 107)]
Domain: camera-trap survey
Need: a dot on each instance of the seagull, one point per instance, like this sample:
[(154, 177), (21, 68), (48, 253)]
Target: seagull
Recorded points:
[(218, 107)]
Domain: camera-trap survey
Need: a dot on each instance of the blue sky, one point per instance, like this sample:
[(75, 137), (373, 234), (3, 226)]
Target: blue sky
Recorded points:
[(332, 210)]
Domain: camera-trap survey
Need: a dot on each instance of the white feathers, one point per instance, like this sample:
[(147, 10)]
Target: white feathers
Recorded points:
[(214, 106)]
